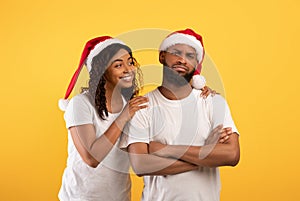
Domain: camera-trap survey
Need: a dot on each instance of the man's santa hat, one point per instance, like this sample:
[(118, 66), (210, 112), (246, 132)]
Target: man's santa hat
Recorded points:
[(92, 48), (191, 38)]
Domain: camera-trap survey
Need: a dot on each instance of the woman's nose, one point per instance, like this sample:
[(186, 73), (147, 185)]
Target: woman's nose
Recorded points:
[(128, 68)]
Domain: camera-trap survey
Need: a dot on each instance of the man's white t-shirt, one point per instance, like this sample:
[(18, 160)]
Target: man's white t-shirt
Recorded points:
[(188, 121), (80, 182)]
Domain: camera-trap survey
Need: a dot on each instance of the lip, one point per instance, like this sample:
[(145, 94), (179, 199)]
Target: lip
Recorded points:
[(180, 68), (127, 78)]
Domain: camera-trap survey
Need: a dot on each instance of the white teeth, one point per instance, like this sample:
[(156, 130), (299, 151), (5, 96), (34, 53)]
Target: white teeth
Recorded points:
[(127, 78)]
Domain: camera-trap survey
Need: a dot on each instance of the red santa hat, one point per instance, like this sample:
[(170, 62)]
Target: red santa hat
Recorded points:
[(92, 48), (191, 38)]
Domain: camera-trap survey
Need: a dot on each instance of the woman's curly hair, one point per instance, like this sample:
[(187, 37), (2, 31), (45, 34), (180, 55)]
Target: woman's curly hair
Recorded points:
[(96, 89)]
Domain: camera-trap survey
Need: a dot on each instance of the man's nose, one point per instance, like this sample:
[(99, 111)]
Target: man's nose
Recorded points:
[(181, 59)]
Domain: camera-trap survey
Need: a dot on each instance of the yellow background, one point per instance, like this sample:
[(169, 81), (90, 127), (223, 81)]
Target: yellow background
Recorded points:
[(254, 44)]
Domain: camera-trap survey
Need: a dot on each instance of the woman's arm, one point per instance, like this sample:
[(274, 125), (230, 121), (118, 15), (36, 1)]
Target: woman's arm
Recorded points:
[(93, 150)]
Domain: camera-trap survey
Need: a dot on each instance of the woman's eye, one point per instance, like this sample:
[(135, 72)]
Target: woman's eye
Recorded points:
[(118, 65), (131, 62)]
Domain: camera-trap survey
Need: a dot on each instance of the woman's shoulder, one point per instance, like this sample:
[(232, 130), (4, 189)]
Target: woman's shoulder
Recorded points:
[(81, 97), (81, 100)]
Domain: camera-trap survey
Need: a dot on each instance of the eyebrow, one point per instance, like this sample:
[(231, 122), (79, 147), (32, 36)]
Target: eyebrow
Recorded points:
[(116, 60), (187, 53), (121, 60), (177, 50), (191, 53)]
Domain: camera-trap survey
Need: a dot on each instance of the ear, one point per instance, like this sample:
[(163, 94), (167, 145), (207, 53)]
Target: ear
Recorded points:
[(162, 55)]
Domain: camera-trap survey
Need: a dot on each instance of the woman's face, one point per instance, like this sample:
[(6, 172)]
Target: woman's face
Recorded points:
[(120, 71)]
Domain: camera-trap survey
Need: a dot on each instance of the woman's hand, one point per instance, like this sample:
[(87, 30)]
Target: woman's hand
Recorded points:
[(132, 106), (206, 91)]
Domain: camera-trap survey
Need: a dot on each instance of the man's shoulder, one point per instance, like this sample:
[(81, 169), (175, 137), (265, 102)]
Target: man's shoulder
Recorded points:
[(209, 98), (211, 101), (217, 97), (151, 93)]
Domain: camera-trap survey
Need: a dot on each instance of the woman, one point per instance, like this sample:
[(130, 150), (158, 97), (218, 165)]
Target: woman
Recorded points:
[(96, 169)]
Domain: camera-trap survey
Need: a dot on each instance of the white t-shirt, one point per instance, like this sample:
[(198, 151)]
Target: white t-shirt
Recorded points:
[(180, 122), (80, 182)]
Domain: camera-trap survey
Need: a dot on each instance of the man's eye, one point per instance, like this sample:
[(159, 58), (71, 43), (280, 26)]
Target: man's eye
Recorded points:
[(191, 56), (175, 53)]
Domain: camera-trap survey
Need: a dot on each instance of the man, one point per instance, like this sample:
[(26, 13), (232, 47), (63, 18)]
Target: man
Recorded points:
[(178, 142)]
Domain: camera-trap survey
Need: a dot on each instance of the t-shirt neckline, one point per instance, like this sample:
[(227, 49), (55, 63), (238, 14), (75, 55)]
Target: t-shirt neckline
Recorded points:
[(185, 100)]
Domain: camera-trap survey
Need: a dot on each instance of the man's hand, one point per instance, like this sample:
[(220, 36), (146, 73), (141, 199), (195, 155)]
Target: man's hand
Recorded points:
[(219, 135), (226, 132)]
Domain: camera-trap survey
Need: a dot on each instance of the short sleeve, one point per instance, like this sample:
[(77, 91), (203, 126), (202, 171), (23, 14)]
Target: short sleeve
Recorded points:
[(221, 113), (78, 112), (137, 129)]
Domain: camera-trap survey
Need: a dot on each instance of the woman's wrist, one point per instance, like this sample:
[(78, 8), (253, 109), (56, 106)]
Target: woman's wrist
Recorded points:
[(121, 121)]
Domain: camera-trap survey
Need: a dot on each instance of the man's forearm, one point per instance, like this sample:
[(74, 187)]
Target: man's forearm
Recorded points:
[(144, 163), (162, 167), (209, 155)]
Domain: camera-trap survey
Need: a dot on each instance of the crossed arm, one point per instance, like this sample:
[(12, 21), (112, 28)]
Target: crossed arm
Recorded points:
[(160, 159), (144, 163), (212, 155)]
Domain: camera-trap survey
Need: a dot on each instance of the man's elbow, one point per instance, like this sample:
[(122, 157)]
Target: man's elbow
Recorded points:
[(234, 152), (137, 167), (142, 166), (93, 164), (90, 161), (140, 175), (234, 157)]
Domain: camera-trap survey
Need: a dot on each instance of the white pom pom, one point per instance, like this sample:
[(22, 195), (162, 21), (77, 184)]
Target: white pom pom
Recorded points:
[(63, 103), (198, 81)]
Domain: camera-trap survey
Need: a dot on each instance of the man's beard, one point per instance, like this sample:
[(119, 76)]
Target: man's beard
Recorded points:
[(175, 78)]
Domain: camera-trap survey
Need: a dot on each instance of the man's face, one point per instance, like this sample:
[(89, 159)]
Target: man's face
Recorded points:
[(179, 62)]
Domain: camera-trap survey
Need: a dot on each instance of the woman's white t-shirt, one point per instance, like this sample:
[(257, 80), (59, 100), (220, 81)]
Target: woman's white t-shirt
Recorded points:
[(80, 182)]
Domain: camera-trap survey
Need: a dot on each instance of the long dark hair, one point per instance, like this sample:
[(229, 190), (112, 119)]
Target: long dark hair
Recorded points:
[(96, 90)]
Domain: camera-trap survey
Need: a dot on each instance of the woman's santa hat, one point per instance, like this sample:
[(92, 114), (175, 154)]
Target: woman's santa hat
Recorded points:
[(92, 48), (191, 38)]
